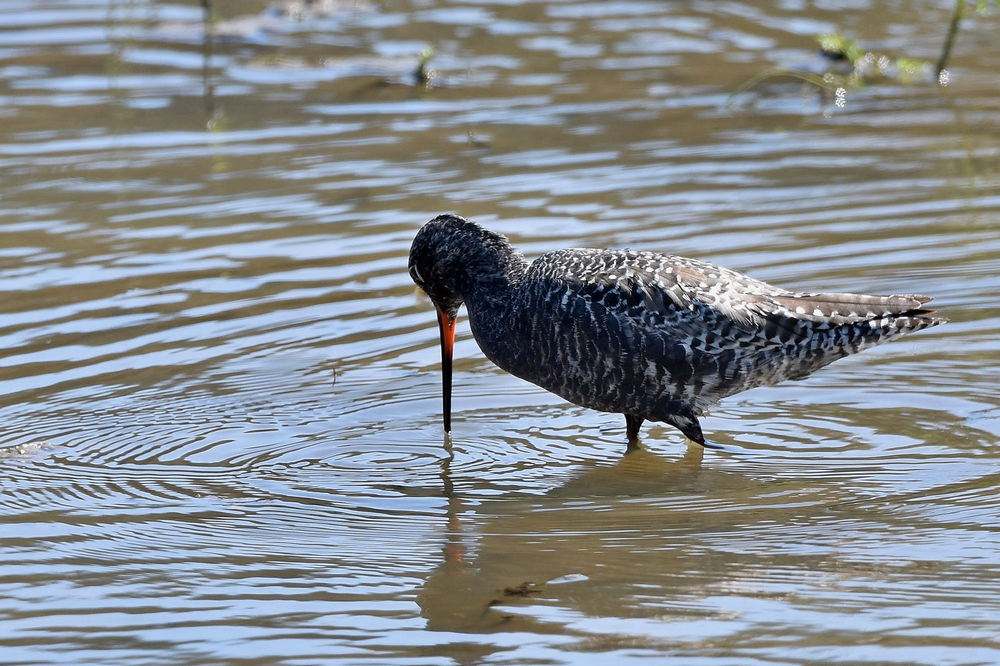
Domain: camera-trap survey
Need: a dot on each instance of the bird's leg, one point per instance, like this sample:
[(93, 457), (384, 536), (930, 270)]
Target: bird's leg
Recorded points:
[(632, 425)]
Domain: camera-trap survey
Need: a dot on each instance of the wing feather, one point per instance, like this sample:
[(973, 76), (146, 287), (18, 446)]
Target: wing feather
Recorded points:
[(692, 298)]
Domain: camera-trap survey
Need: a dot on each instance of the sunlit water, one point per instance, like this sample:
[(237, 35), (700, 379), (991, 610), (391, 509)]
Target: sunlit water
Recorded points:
[(220, 422)]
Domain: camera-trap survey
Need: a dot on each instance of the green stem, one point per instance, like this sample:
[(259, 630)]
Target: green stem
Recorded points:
[(956, 17)]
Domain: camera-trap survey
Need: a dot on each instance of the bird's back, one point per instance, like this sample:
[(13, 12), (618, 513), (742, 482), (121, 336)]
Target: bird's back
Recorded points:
[(647, 334)]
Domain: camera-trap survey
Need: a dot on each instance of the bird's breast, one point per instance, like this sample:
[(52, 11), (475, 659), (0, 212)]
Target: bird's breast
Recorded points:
[(573, 346)]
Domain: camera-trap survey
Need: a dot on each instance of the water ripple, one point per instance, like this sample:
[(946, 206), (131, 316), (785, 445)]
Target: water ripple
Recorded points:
[(221, 432)]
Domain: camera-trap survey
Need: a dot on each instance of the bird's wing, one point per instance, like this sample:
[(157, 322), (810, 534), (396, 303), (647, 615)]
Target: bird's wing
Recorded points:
[(691, 298), (693, 332), (659, 291)]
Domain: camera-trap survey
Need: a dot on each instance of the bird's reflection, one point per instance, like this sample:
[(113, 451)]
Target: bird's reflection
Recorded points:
[(638, 472), (491, 559)]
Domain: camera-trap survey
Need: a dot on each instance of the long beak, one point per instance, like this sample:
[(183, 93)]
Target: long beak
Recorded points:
[(446, 323)]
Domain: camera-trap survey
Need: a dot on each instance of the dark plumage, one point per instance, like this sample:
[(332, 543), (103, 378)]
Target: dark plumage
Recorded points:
[(644, 334)]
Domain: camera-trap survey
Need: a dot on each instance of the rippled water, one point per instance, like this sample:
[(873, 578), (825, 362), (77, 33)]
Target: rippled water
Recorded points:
[(220, 424)]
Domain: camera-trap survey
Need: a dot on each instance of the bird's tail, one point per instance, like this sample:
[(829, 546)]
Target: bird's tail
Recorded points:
[(817, 329), (896, 311)]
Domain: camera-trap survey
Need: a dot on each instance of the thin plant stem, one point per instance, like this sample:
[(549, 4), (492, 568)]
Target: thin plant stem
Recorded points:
[(956, 18)]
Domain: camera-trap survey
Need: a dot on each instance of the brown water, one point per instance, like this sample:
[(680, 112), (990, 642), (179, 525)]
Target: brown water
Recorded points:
[(220, 412)]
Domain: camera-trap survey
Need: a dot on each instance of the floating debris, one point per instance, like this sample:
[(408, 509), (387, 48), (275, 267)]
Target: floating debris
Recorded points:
[(521, 590), (569, 578)]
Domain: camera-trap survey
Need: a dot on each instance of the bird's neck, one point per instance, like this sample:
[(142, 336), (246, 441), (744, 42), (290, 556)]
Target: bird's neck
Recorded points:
[(493, 304), (492, 275)]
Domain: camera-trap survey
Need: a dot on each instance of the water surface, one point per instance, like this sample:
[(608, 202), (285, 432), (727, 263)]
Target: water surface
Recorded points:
[(220, 424)]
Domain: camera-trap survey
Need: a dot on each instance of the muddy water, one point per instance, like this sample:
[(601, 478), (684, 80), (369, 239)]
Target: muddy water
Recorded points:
[(220, 413)]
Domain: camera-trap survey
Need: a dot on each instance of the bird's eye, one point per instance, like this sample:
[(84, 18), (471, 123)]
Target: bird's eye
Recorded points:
[(415, 274)]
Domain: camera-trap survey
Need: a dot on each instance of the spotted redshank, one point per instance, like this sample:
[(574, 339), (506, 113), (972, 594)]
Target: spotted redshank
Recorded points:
[(648, 335)]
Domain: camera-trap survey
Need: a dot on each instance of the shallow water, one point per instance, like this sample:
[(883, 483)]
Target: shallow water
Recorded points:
[(220, 422)]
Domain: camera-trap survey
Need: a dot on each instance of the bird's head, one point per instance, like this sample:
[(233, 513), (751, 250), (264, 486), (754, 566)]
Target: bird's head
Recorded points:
[(437, 262), (451, 258)]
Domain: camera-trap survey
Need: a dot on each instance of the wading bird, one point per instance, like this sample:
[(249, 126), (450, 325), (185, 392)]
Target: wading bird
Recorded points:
[(648, 335)]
